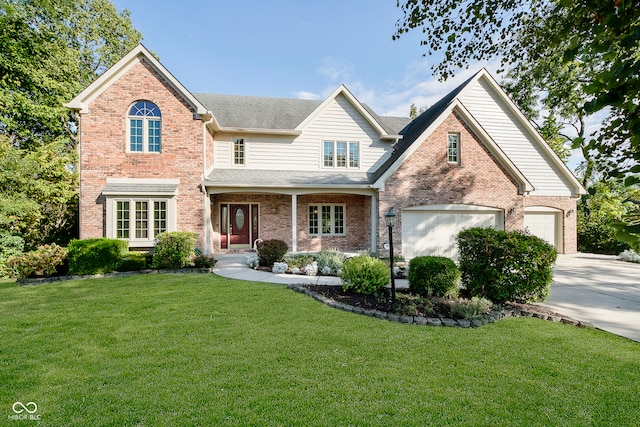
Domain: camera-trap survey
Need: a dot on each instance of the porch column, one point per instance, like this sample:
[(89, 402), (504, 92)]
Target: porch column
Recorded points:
[(374, 222), (208, 227), (294, 223)]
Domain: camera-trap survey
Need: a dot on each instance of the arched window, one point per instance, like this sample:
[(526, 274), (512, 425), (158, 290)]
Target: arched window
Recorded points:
[(144, 127)]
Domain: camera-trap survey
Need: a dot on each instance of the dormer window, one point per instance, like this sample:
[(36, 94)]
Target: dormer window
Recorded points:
[(144, 127)]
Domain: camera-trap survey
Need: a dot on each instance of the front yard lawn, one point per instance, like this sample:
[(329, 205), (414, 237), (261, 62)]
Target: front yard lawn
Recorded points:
[(197, 349)]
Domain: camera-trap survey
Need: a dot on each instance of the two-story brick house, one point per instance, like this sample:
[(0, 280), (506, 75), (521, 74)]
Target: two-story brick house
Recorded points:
[(317, 174)]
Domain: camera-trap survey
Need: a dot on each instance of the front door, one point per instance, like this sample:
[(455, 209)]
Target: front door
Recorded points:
[(239, 224)]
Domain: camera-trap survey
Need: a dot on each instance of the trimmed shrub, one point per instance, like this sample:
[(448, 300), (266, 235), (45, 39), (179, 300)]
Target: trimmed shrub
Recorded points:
[(505, 266), (270, 251), (434, 276), (204, 261), (311, 269), (10, 245), (173, 249), (43, 262), (330, 261), (134, 261), (365, 275), (252, 261), (95, 256)]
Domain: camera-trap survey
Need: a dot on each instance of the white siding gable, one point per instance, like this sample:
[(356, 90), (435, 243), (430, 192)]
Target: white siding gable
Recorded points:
[(339, 120), (515, 140)]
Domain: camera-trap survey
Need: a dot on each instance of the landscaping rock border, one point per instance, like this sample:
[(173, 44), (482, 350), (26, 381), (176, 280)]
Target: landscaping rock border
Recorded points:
[(517, 310)]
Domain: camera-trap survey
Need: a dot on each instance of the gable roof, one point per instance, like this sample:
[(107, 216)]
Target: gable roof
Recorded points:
[(138, 54), (254, 114), (423, 125)]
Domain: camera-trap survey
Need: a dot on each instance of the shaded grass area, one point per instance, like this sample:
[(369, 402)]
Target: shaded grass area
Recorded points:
[(167, 350)]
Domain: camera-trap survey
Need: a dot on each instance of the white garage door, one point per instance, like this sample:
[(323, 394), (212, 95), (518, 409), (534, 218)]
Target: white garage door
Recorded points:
[(544, 223), (432, 230)]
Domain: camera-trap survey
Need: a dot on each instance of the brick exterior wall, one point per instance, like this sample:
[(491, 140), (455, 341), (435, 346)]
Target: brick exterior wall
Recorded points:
[(275, 219), (103, 149), (568, 207), (426, 178)]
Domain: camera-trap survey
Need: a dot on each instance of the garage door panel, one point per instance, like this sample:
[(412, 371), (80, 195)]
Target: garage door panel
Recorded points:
[(434, 232), (543, 225)]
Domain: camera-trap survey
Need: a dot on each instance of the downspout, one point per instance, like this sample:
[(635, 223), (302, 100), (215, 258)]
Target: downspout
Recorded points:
[(208, 227)]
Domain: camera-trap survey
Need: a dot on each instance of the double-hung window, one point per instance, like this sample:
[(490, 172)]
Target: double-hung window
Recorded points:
[(144, 127), (340, 154), (327, 220), (453, 148)]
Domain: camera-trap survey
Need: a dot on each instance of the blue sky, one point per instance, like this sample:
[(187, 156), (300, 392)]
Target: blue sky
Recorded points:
[(292, 49)]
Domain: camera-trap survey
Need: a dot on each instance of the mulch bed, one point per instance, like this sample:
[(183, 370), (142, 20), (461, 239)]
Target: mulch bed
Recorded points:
[(440, 307)]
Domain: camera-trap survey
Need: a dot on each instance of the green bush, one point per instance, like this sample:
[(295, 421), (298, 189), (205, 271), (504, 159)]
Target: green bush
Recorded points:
[(470, 308), (365, 275), (43, 262), (330, 261), (204, 261), (10, 245), (505, 266), (134, 261), (598, 236), (173, 249), (270, 251), (95, 256), (299, 260), (434, 276)]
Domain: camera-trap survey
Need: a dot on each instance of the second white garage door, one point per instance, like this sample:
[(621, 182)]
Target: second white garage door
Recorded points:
[(545, 223), (432, 230)]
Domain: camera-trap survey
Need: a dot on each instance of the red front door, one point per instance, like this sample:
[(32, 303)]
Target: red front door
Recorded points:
[(239, 223)]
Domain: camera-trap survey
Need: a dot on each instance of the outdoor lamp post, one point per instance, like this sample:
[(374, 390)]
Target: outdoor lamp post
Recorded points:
[(390, 219)]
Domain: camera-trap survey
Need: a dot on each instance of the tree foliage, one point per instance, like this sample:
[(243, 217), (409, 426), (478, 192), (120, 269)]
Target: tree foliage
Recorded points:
[(590, 50), (49, 51)]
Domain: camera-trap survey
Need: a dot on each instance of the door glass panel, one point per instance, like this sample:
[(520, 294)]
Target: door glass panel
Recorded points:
[(240, 219)]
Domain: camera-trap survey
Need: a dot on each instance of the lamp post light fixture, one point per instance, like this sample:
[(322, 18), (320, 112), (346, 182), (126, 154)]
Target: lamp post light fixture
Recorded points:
[(390, 219)]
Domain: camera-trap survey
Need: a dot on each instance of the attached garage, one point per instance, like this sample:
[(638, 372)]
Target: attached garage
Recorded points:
[(432, 229), (545, 223)]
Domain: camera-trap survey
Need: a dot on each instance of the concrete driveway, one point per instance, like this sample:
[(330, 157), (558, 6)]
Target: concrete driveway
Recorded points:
[(598, 289)]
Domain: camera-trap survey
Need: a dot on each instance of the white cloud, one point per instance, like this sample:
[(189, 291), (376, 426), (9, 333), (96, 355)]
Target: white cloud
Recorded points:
[(303, 94)]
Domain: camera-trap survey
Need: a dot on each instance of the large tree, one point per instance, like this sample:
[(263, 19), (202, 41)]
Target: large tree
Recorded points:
[(49, 51), (596, 43)]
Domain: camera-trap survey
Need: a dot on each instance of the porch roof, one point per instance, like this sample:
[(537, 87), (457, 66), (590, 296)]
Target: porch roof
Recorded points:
[(243, 178)]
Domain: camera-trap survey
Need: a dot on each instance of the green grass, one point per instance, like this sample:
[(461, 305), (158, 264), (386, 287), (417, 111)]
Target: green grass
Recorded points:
[(182, 350)]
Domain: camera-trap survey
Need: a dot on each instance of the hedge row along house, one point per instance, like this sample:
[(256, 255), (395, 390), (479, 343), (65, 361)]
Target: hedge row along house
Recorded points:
[(155, 157)]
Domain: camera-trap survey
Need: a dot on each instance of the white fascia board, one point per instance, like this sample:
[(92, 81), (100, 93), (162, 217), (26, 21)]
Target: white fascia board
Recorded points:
[(214, 188), (258, 131), (342, 90), (81, 102), (578, 189)]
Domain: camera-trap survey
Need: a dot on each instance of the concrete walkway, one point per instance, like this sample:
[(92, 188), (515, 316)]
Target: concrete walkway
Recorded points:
[(234, 266), (596, 289)]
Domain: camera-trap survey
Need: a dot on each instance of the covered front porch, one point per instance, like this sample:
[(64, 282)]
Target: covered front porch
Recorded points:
[(307, 220)]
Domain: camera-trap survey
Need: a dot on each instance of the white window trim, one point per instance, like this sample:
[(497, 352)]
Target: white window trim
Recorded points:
[(332, 205), (334, 163), (111, 223), (145, 132), (457, 160), (244, 152)]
